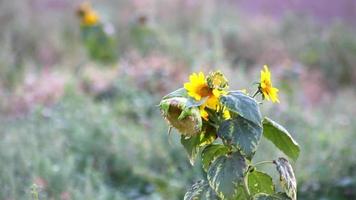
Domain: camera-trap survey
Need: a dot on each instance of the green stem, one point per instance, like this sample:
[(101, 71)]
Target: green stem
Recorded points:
[(263, 163), (258, 91), (213, 124), (247, 190)]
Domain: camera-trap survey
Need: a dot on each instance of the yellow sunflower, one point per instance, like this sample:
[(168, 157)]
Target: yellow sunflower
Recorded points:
[(90, 18), (199, 89), (268, 91), (87, 14)]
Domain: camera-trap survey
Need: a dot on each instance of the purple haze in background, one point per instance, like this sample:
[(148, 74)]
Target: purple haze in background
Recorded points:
[(322, 10)]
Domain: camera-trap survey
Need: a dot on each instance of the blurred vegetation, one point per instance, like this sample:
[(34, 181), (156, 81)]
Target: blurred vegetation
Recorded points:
[(82, 129)]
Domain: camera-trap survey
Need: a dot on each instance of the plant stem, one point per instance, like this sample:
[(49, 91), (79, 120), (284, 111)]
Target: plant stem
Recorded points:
[(263, 162), (258, 91), (247, 191)]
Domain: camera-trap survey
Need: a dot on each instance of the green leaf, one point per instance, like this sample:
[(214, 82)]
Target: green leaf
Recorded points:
[(259, 182), (211, 152), (277, 196), (240, 193), (181, 92), (263, 197), (194, 143), (193, 103), (242, 105), (280, 137), (191, 145), (287, 178), (226, 173), (200, 191), (241, 133)]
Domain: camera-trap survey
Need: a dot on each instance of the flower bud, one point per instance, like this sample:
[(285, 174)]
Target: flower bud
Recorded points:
[(217, 80)]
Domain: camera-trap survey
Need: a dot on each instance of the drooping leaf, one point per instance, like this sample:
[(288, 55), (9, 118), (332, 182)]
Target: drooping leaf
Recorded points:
[(226, 173), (259, 182), (277, 196), (241, 133), (211, 152), (280, 137), (200, 191), (242, 105), (181, 92), (287, 178)]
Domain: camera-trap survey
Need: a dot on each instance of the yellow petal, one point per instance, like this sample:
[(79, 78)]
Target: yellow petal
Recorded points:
[(212, 102), (203, 113)]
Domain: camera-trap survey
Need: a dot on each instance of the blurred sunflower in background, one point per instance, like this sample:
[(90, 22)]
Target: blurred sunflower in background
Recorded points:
[(100, 42), (88, 16)]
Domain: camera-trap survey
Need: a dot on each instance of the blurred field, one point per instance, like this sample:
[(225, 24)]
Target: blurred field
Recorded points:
[(81, 129)]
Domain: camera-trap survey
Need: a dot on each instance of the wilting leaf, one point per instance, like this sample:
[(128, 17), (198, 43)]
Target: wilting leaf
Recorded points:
[(280, 137), (186, 120), (287, 178)]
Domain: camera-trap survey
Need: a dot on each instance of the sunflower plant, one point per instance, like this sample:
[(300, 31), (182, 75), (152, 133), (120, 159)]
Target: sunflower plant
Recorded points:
[(224, 128), (97, 37)]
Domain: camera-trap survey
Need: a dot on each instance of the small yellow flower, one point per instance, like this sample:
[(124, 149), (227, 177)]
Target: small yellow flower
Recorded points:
[(87, 14), (90, 18), (199, 89), (268, 91)]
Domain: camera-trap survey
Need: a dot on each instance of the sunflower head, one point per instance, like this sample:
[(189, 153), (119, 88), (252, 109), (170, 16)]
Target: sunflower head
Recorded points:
[(265, 87), (207, 89), (197, 86), (186, 120)]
